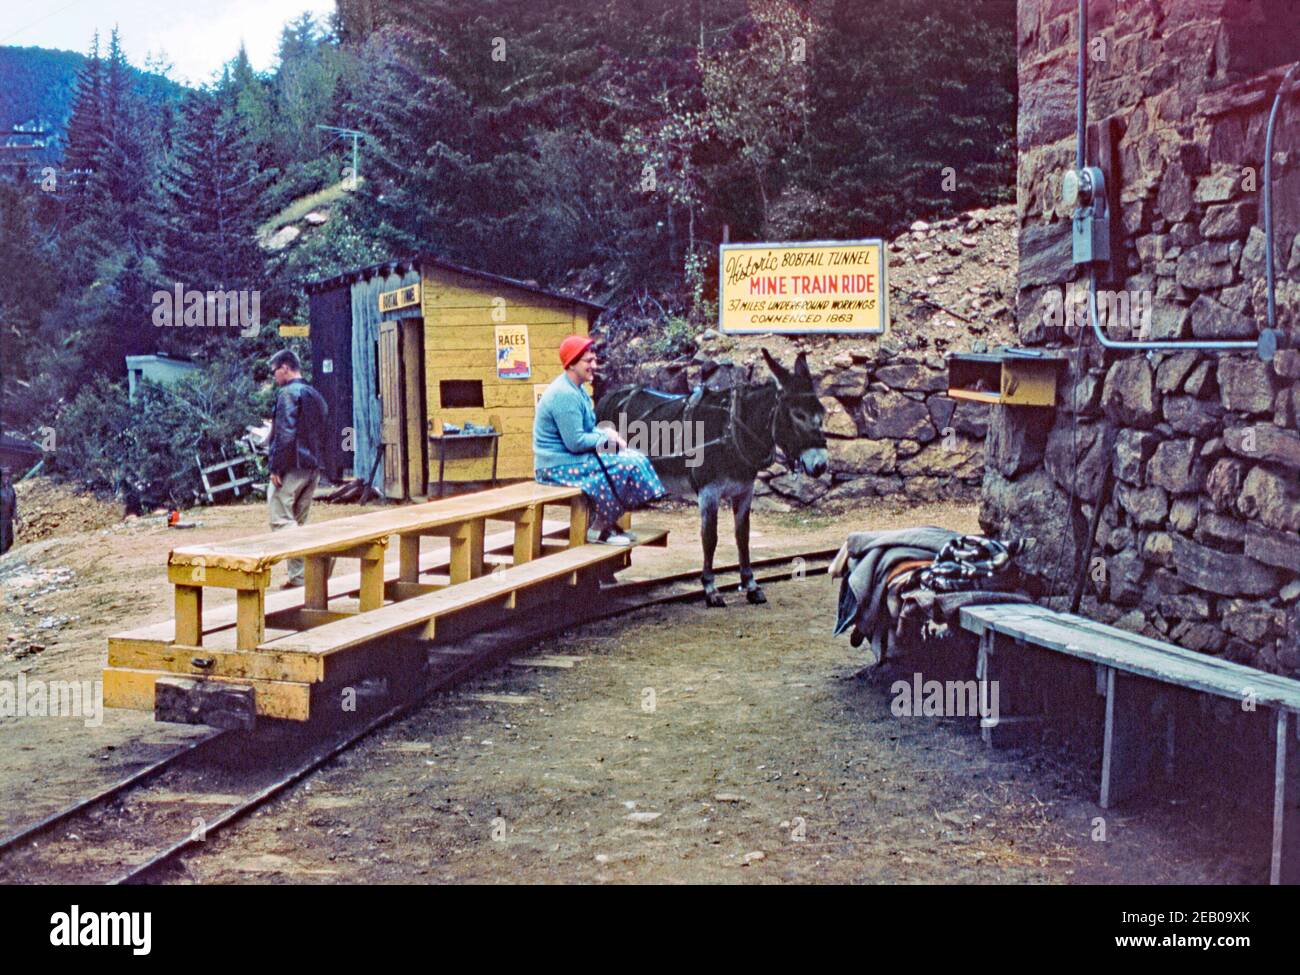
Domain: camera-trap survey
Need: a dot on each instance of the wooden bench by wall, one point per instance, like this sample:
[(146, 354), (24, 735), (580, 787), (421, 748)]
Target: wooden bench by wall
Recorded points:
[(1130, 670)]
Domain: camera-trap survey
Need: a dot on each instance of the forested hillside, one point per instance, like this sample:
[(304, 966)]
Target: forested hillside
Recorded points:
[(602, 147), (41, 85)]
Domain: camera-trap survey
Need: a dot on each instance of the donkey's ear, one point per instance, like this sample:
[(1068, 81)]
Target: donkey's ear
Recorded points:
[(801, 367), (777, 369)]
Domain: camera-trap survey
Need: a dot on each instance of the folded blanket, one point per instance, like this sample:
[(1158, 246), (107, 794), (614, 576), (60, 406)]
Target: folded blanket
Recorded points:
[(865, 561), (925, 572)]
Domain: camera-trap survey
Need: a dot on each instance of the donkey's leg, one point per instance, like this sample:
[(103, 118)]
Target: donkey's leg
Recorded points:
[(709, 499), (740, 507)]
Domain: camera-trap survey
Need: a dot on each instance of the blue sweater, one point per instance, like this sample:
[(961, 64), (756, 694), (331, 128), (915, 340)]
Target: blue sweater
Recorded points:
[(564, 427)]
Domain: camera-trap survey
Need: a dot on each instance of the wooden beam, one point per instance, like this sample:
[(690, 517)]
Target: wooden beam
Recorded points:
[(1129, 748), (215, 575), (528, 535), (579, 515), (189, 615), (205, 662), (397, 591), (409, 558), (371, 594), (316, 581), (467, 551), (250, 618)]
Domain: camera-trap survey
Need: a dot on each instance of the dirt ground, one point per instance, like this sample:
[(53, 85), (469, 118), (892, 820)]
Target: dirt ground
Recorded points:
[(682, 745), (688, 745)]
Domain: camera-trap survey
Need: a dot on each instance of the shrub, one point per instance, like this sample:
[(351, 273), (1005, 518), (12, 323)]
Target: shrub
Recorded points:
[(144, 452)]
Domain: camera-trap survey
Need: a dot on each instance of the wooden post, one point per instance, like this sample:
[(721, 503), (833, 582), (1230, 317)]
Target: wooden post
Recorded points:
[(316, 582), (1128, 751), (467, 551), (189, 615), (250, 618), (408, 555), (1014, 723), (579, 516), (1285, 866), (528, 535), (371, 593), (983, 674)]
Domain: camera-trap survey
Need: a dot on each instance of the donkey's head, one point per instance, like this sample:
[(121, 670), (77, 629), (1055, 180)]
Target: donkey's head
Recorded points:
[(799, 414)]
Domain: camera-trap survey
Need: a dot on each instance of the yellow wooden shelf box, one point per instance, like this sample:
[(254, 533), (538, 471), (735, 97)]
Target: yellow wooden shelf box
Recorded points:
[(1014, 377)]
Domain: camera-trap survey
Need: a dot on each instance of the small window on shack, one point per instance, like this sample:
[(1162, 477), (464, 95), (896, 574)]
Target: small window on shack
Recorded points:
[(460, 393)]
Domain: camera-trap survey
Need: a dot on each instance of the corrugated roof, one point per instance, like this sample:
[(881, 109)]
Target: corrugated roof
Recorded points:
[(347, 277)]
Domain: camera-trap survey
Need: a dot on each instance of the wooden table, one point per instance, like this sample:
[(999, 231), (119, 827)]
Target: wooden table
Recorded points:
[(440, 442), (245, 564)]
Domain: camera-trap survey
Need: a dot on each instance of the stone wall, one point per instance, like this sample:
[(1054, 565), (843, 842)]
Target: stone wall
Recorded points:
[(1198, 541), (891, 430)]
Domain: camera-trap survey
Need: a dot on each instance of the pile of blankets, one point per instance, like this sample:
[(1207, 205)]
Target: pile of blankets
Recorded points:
[(925, 575)]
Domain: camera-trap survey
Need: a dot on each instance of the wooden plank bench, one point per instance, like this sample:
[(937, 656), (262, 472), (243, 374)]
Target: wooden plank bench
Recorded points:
[(287, 607), (245, 564), (424, 611), (1129, 667)]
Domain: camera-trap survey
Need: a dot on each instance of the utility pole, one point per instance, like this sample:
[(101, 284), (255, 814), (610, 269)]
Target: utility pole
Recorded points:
[(355, 135)]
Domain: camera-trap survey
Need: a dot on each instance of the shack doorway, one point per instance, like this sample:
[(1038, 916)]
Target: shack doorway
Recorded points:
[(402, 407)]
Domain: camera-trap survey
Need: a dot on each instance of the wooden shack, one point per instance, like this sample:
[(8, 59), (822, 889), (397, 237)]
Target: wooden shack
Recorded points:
[(403, 348)]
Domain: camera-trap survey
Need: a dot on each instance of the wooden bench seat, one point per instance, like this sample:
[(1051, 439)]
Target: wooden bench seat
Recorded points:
[(285, 645), (290, 601), (424, 611), (245, 564), (256, 553), (288, 671), (1129, 668)]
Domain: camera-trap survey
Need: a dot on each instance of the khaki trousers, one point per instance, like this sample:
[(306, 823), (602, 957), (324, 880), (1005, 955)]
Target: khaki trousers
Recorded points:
[(289, 506)]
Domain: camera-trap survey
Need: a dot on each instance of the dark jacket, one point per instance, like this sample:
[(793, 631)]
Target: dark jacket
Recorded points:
[(298, 429)]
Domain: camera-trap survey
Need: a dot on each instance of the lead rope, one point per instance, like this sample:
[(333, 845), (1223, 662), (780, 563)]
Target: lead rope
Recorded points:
[(605, 470)]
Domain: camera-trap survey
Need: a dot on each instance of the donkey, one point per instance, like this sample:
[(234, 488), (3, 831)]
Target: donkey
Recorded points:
[(738, 432)]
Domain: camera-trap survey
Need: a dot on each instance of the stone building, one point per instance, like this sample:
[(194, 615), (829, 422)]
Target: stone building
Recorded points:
[(1198, 538)]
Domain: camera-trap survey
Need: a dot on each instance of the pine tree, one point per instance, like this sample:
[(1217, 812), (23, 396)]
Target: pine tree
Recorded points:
[(214, 187), (85, 134), (122, 188)]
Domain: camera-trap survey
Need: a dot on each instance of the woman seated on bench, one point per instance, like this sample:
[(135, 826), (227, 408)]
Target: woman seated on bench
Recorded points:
[(569, 450)]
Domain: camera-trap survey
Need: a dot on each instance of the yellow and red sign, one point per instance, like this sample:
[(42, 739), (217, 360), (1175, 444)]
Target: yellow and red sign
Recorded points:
[(514, 360), (820, 286)]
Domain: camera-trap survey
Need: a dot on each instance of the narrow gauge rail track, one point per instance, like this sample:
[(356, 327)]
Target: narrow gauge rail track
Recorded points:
[(141, 827)]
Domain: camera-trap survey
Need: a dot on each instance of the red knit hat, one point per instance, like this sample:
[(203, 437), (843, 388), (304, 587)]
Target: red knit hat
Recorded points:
[(572, 348)]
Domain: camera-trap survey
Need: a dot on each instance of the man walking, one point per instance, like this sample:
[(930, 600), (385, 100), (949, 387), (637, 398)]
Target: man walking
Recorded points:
[(296, 449)]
